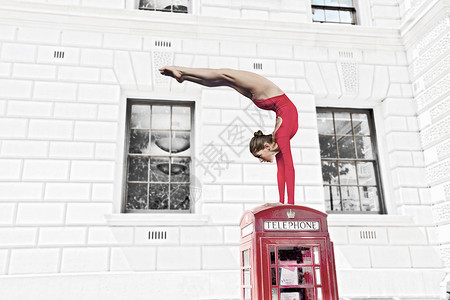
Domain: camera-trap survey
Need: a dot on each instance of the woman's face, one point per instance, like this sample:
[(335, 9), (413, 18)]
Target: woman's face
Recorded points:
[(267, 154)]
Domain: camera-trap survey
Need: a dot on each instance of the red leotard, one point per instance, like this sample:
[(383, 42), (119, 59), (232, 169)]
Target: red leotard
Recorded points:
[(286, 110)]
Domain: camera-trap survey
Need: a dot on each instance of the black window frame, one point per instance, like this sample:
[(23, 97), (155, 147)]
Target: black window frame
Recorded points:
[(151, 102), (375, 160), (324, 7), (173, 8)]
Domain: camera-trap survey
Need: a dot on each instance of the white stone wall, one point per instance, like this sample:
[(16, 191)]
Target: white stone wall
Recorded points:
[(62, 130)]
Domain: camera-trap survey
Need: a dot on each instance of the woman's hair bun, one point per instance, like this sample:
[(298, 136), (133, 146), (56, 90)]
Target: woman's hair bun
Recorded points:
[(259, 133)]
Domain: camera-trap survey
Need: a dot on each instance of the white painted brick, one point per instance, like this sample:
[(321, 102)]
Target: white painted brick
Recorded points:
[(229, 258), (178, 258), (201, 47), (10, 169), (133, 259), (425, 195), (65, 2), (424, 120), (221, 12), (92, 213), (108, 112), (14, 89), (55, 91), (122, 41), (399, 74), (378, 57), (105, 151), (398, 107), (409, 177), (79, 74), (352, 257), (143, 75), (71, 150), (224, 213), (274, 50), (124, 69), (18, 53), (40, 213), (62, 236), (223, 174), (201, 235), (110, 235), (242, 193), (407, 236), (211, 193), (401, 158), (28, 149), (29, 109), (418, 158), (38, 35), (286, 84), (3, 107), (260, 173), (103, 3), (7, 33), (4, 260), (7, 214), (425, 257), (102, 192), (395, 90), (213, 98), (254, 14), (29, 71), (390, 257), (92, 170), (75, 111), (308, 174), (17, 237), (395, 123), (81, 38), (45, 170), (444, 233), (13, 128), (309, 156), (404, 141), (240, 48), (338, 235), (34, 261), (290, 68), (310, 53), (50, 129), (385, 12), (46, 55), (108, 76), (95, 131), (20, 191), (85, 260), (5, 69), (409, 196), (218, 62), (419, 213), (99, 93), (143, 236), (291, 17), (67, 191), (232, 234), (97, 57)]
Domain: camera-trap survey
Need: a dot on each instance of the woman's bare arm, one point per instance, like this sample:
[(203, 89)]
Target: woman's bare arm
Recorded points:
[(248, 84)]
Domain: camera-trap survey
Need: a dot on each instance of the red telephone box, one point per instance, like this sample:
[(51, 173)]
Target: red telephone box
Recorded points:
[(286, 254)]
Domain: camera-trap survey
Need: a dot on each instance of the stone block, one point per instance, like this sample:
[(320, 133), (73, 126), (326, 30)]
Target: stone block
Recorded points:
[(229, 258), (153, 236), (211, 193), (367, 236), (338, 235), (62, 236), (42, 170), (108, 112), (15, 89), (34, 71), (122, 41), (223, 213), (254, 14), (265, 67), (390, 257), (97, 58), (314, 79), (425, 257), (260, 174), (17, 237), (381, 83), (306, 53), (201, 47), (110, 236), (95, 131), (385, 12), (395, 123), (105, 151), (119, 4), (34, 261), (29, 109), (18, 52), (58, 91), (102, 192), (133, 259), (178, 258), (18, 191), (47, 55), (219, 62), (124, 69), (67, 192), (72, 150), (201, 235), (242, 193), (291, 17), (407, 236), (7, 214), (92, 171), (40, 213), (87, 213), (408, 196), (10, 169), (232, 234), (7, 32), (401, 159), (379, 57), (99, 93), (38, 35), (277, 51), (308, 174), (108, 76), (231, 48), (4, 260), (286, 84), (409, 177), (399, 74), (81, 38), (76, 260), (5, 69), (74, 111), (404, 141), (421, 214), (365, 81), (221, 12), (352, 257), (78, 74)]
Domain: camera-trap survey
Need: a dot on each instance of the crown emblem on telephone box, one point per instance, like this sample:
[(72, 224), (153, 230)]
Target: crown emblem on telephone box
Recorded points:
[(290, 214)]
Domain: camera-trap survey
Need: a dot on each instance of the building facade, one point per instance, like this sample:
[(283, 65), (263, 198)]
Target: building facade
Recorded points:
[(119, 183)]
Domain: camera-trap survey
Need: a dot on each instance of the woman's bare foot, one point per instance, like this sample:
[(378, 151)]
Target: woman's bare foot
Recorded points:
[(172, 72)]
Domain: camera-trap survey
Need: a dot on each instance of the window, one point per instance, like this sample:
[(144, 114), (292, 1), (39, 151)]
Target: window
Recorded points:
[(351, 180), (333, 11), (158, 161), (175, 6)]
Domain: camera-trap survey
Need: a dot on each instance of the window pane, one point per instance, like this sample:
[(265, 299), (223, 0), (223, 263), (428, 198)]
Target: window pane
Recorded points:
[(364, 147), (346, 16), (369, 198), (138, 169), (246, 277), (272, 255), (346, 147), (246, 258), (181, 118), (318, 277), (150, 4), (180, 169), (139, 142), (247, 294), (294, 255), (318, 15), (332, 2), (160, 117), (343, 123), (137, 196), (332, 198), (366, 173), (347, 173), (325, 123), (160, 143), (316, 255), (273, 275), (140, 116), (317, 2), (332, 16), (159, 196), (329, 173), (327, 146), (350, 198), (360, 124), (159, 169), (179, 196), (319, 293), (346, 3), (181, 142), (274, 294)]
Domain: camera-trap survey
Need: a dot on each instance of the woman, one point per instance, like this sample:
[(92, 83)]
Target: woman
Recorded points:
[(266, 95)]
